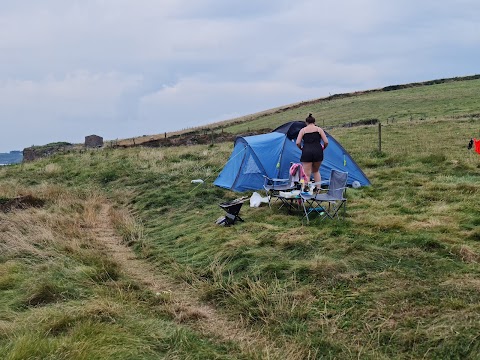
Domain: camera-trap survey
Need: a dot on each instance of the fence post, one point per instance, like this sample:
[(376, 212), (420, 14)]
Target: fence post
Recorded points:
[(379, 137)]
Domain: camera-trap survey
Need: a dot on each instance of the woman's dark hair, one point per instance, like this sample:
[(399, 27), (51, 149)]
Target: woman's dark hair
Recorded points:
[(310, 119)]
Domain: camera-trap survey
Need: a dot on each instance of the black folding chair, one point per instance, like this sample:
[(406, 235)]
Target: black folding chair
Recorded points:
[(232, 208)]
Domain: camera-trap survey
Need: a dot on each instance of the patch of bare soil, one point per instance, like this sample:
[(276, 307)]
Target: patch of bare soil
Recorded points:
[(185, 305), (20, 202)]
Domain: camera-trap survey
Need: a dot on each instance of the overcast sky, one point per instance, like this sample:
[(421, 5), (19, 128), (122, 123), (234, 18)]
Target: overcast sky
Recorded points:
[(124, 68)]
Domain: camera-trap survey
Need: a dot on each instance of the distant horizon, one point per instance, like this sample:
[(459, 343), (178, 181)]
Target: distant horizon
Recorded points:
[(390, 87), (12, 157), (12, 151), (123, 69)]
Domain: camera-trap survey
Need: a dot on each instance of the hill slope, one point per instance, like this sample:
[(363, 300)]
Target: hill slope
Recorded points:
[(397, 279), (436, 99)]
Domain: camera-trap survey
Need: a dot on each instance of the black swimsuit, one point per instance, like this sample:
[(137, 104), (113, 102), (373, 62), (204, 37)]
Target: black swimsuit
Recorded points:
[(312, 148)]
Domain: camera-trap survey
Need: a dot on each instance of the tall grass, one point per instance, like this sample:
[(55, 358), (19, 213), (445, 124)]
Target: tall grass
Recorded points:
[(396, 279), (63, 297)]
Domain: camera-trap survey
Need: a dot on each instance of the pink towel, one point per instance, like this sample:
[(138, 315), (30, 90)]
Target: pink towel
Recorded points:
[(301, 173)]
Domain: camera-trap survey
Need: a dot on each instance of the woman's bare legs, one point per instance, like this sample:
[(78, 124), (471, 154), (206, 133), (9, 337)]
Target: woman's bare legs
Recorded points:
[(307, 168), (316, 172)]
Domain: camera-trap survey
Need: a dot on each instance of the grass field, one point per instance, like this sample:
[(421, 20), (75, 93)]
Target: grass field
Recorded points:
[(440, 101), (398, 279)]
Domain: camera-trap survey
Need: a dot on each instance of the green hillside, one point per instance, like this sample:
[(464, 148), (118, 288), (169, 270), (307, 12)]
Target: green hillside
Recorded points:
[(450, 99), (398, 279)]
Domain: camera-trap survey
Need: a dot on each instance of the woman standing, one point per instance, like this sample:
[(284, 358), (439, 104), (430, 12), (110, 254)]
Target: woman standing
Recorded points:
[(312, 149)]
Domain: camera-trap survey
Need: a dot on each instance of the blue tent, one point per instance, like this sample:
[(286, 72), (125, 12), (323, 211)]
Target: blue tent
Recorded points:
[(271, 154)]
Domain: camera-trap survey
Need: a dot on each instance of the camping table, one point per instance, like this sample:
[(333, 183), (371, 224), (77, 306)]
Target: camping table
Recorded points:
[(300, 203), (311, 205), (291, 201)]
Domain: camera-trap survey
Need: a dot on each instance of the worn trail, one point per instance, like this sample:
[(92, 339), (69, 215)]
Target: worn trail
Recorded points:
[(187, 309)]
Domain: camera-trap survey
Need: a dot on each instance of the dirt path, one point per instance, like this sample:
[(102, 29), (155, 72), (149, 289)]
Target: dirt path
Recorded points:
[(184, 305)]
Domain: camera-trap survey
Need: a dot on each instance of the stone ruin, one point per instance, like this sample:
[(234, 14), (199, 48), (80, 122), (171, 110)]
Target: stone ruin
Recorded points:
[(93, 141)]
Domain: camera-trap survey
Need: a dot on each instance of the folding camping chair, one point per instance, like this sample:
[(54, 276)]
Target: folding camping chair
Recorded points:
[(232, 208), (330, 203), (273, 186)]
